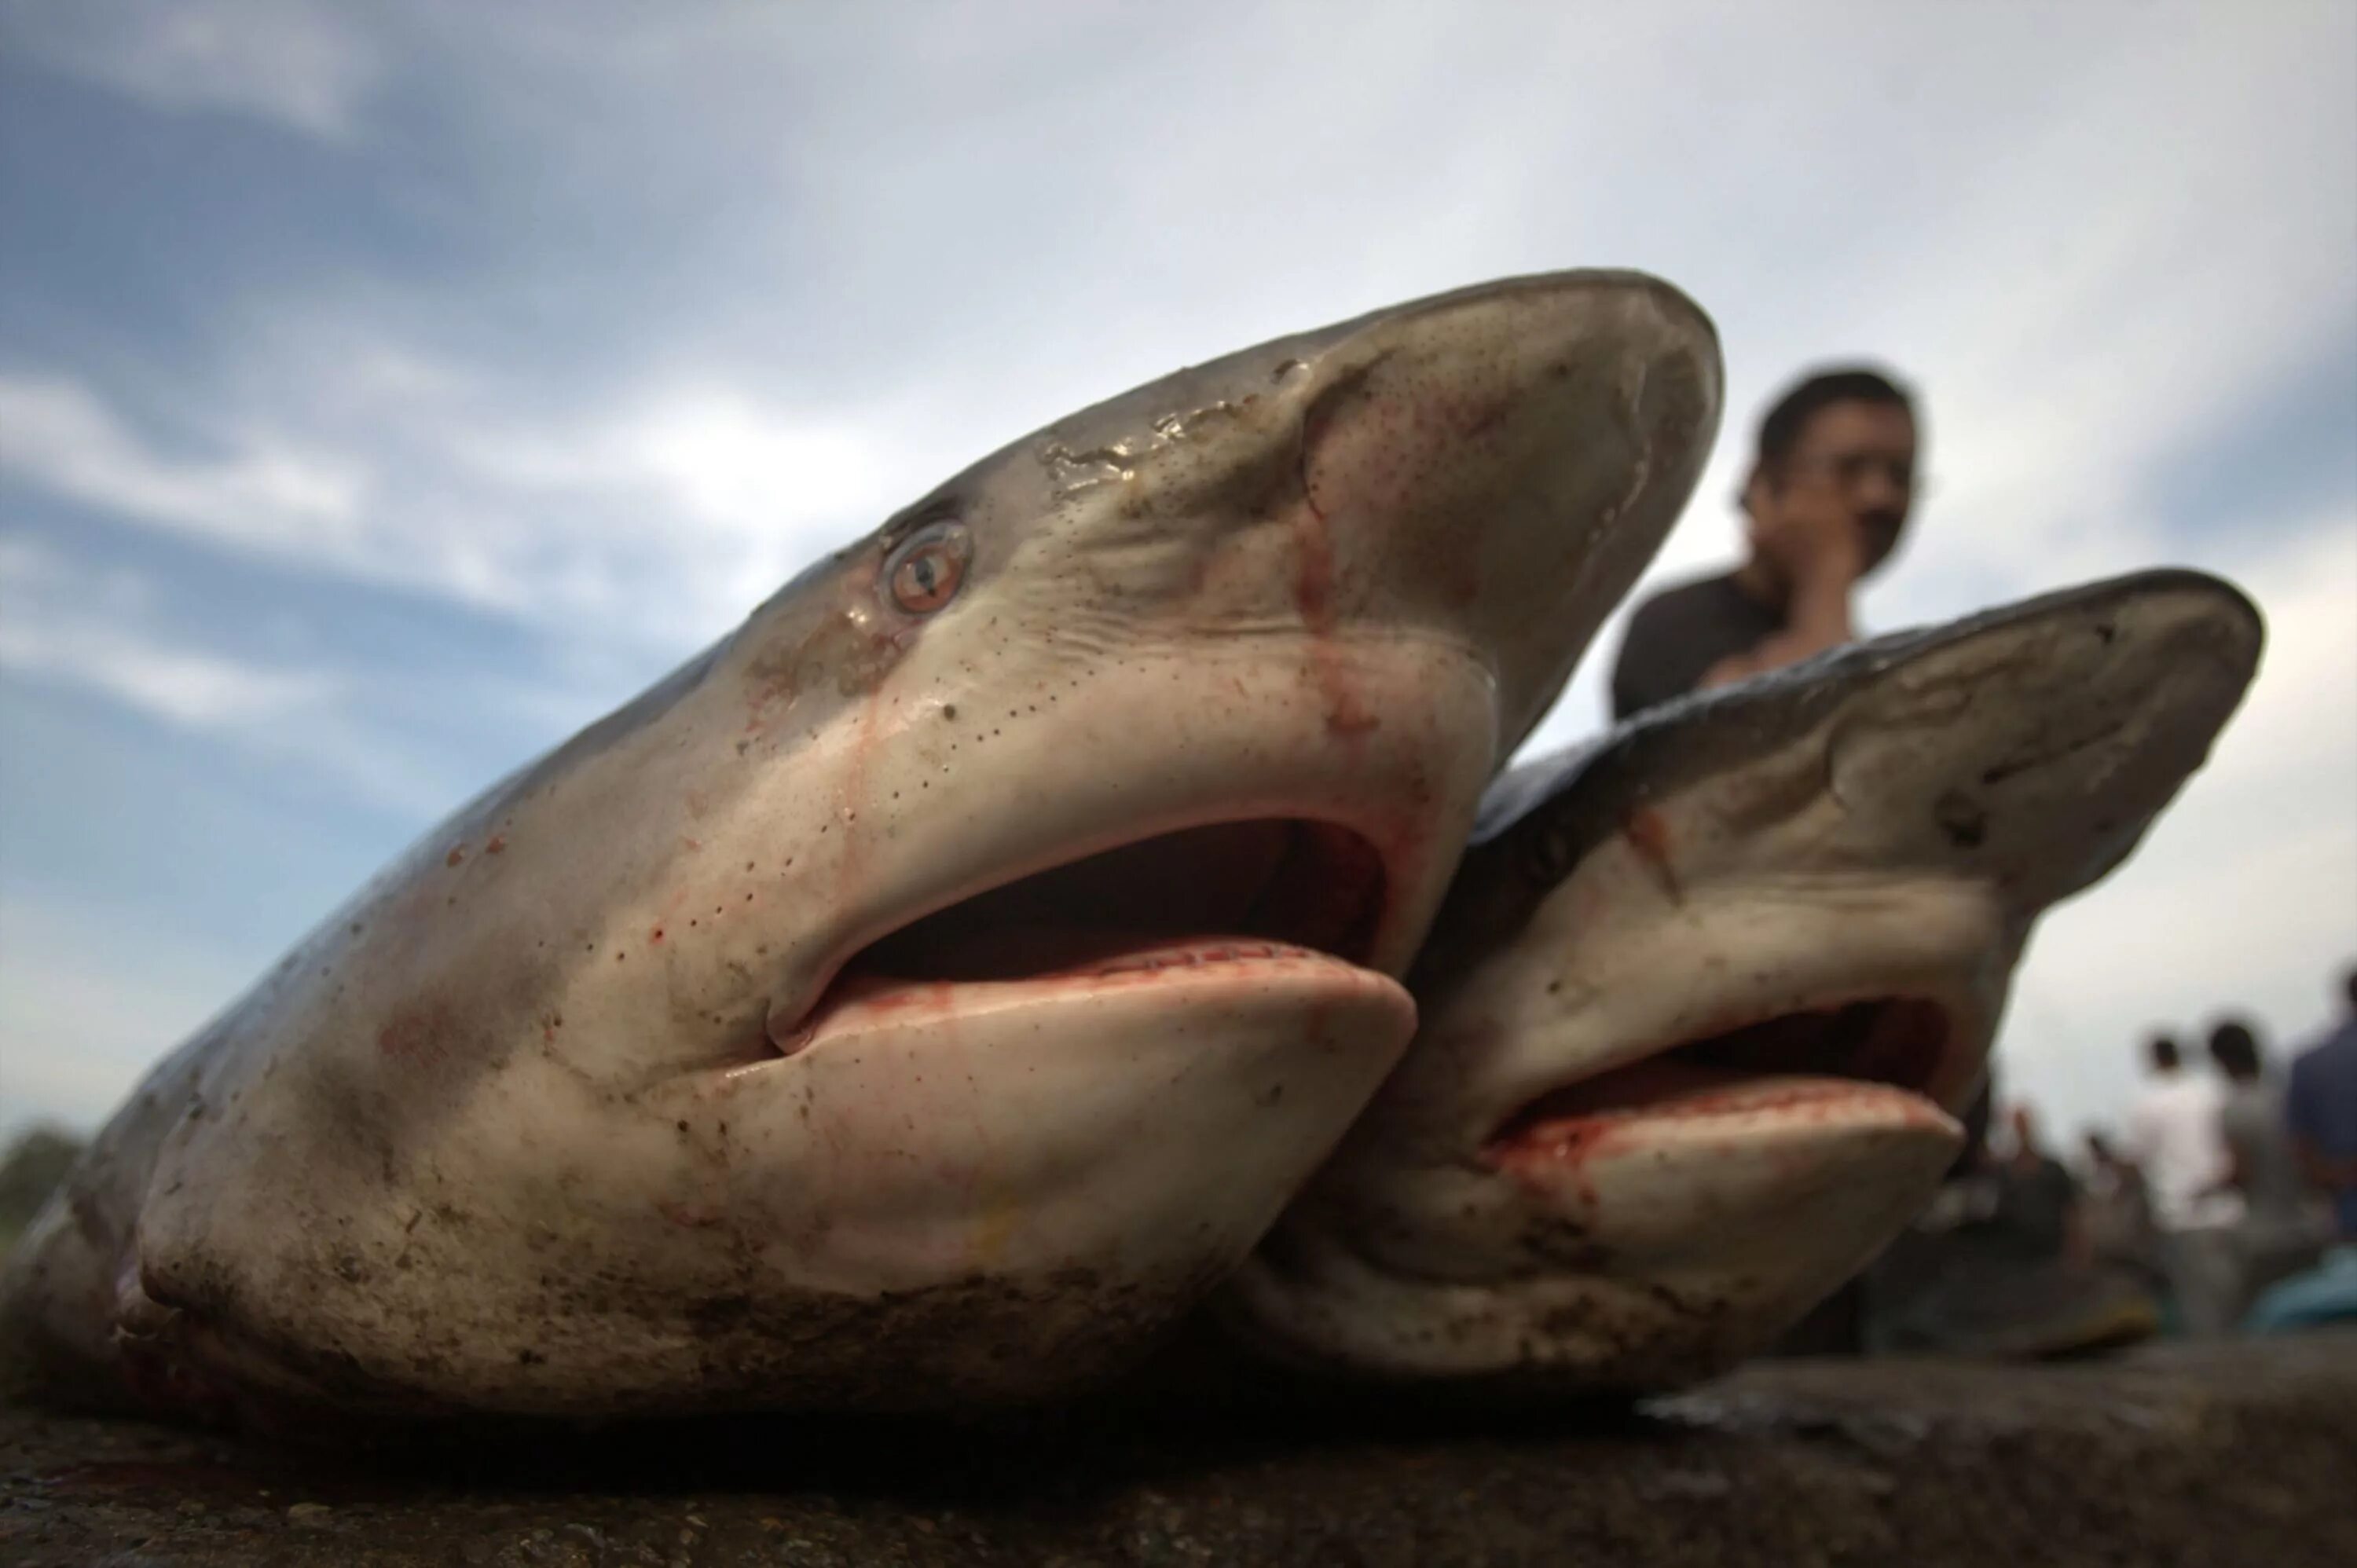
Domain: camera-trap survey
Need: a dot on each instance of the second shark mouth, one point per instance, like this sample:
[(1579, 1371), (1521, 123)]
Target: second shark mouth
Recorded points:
[(1226, 893), (1899, 1043)]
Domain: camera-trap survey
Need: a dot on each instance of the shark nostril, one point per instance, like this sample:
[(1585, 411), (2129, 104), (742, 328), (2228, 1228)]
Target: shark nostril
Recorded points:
[(1961, 819), (2052, 752)]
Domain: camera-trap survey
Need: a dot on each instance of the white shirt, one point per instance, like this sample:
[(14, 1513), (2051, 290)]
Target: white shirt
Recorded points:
[(2175, 1137)]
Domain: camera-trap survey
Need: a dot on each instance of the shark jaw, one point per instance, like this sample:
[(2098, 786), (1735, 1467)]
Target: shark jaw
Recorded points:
[(1870, 1057), (1864, 1004), (1262, 902)]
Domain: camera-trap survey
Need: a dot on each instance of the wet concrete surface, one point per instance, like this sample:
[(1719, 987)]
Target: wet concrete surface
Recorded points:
[(2243, 1453)]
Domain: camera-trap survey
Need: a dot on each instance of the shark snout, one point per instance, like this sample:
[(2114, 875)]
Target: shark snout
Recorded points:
[(1500, 464), (2037, 744)]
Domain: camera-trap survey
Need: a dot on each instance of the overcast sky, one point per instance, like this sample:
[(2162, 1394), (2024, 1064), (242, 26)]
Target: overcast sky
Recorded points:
[(387, 390)]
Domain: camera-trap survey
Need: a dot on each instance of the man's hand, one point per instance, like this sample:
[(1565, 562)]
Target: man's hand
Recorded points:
[(1811, 543), (1770, 653)]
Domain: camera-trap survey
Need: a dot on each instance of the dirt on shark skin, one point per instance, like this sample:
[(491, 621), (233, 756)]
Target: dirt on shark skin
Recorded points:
[(921, 996)]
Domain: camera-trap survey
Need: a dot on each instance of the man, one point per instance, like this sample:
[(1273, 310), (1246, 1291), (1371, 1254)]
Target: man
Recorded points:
[(2117, 1212), (2175, 1138), (1831, 483), (2038, 1195), (2320, 1104), (2278, 1235), (1998, 1266)]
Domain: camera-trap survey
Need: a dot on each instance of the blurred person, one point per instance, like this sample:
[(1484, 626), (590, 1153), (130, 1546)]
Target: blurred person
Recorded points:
[(2176, 1139), (2278, 1234), (2321, 1108), (2321, 1111), (2115, 1211), (1831, 481), (2037, 1194), (1998, 1267)]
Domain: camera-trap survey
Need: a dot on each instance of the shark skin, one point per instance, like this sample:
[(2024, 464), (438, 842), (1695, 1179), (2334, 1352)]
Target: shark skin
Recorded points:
[(1704, 993), (932, 990)]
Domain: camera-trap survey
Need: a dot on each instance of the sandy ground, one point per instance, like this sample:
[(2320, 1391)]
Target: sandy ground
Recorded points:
[(2234, 1454)]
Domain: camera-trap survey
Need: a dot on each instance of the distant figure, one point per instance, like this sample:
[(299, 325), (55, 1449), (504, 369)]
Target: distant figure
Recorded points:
[(2320, 1105), (1831, 484), (2277, 1236), (1998, 1267), (2175, 1138), (2037, 1195), (2118, 1213)]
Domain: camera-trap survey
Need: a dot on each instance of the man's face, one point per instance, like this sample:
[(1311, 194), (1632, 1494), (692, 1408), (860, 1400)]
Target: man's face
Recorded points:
[(1853, 462)]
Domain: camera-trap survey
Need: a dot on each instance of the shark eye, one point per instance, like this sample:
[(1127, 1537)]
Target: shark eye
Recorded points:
[(925, 571)]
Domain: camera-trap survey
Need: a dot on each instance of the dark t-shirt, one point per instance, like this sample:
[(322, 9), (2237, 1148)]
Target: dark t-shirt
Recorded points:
[(1678, 634), (2322, 1106), (2033, 1207)]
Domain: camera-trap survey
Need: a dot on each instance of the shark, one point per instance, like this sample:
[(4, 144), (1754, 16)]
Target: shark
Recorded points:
[(932, 989), (1706, 993)]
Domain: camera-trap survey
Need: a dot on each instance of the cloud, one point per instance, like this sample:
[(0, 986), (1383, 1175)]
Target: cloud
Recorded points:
[(613, 318), (44, 637), (742, 468), (57, 436), (290, 63), (405, 477), (184, 687), (65, 625), (724, 494), (654, 451)]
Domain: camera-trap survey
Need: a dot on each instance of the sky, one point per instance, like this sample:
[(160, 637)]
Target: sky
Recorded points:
[(388, 391)]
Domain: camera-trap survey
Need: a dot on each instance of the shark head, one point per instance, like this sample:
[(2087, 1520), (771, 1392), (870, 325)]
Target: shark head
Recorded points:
[(1703, 996), (934, 987)]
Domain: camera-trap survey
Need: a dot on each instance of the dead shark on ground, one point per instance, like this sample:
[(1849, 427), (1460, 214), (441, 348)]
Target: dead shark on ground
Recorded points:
[(932, 990), (1703, 996)]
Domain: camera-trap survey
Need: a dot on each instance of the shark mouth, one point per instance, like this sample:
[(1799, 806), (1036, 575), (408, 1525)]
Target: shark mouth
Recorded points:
[(1258, 892), (1863, 1049)]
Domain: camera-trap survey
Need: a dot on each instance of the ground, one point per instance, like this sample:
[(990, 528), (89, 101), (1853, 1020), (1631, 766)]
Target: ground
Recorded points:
[(2233, 1453)]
